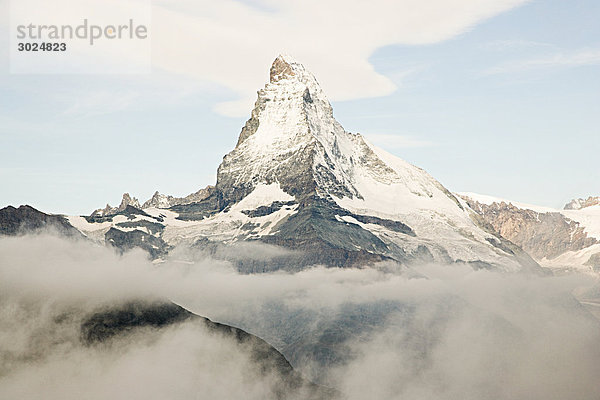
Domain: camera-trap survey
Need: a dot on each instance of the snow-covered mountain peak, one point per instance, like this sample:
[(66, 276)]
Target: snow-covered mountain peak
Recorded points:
[(297, 179), (291, 134)]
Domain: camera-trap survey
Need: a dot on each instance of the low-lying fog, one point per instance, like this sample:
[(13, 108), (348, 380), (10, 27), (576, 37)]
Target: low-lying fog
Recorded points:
[(454, 333)]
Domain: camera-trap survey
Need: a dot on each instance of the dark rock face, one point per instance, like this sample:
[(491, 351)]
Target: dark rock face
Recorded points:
[(212, 204), (26, 219), (267, 210), (128, 240), (134, 232), (129, 211), (116, 321), (543, 235), (323, 239), (104, 325), (317, 236), (153, 227)]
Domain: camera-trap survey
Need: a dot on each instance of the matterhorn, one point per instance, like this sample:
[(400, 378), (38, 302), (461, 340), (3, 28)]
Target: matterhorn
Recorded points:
[(298, 180)]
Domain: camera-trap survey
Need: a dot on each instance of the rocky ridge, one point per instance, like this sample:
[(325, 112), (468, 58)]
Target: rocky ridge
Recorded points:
[(558, 239), (578, 204)]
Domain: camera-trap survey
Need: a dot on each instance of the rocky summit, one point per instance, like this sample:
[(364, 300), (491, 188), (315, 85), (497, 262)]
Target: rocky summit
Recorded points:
[(297, 179)]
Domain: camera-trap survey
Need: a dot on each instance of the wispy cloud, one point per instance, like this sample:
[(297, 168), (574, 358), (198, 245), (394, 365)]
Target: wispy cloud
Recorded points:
[(572, 59), (101, 102), (231, 43), (514, 44), (390, 141)]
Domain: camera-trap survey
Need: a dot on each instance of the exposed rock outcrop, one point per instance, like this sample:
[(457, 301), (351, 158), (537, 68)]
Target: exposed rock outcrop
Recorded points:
[(544, 235), (165, 201), (127, 200)]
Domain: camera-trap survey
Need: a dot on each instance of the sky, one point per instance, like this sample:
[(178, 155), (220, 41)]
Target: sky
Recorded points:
[(498, 97)]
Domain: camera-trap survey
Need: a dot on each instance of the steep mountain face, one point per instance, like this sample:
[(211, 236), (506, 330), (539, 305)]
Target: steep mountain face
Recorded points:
[(297, 179), (558, 239)]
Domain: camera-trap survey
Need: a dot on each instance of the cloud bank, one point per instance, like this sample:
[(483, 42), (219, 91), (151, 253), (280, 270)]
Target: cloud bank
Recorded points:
[(458, 333)]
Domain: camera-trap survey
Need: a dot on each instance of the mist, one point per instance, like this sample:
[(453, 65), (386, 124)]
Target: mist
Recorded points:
[(436, 332)]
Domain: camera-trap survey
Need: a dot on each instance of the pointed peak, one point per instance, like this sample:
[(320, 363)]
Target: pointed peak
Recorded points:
[(283, 67), (127, 201)]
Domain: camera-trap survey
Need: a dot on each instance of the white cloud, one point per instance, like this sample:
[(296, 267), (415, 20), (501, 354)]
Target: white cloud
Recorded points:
[(233, 44), (461, 334), (573, 59)]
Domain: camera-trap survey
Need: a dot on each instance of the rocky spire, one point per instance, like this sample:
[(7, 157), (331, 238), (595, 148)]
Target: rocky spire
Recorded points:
[(282, 68), (127, 200), (291, 138)]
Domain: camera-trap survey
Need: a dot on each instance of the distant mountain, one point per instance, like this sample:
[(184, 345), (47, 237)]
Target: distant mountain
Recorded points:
[(578, 204), (557, 239), (126, 201), (165, 201), (26, 219), (297, 179)]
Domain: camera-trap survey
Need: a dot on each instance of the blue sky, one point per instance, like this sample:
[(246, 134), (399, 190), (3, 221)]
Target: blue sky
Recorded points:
[(504, 104)]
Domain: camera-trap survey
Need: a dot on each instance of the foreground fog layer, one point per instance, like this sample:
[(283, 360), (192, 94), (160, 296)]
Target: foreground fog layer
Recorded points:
[(472, 335)]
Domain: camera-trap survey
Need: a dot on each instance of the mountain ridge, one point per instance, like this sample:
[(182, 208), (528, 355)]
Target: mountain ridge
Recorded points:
[(561, 240)]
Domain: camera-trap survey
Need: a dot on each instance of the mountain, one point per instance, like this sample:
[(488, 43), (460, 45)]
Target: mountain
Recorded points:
[(578, 204), (297, 179), (26, 219), (126, 201), (165, 201), (558, 239)]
